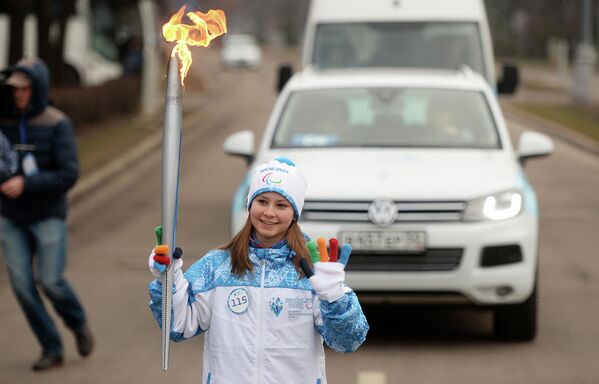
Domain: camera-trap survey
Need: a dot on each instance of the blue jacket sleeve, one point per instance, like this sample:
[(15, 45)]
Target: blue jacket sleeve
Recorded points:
[(189, 314), (344, 326), (155, 289)]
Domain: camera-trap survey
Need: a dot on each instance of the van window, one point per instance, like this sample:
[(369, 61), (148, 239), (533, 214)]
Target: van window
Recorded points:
[(445, 45), (386, 117)]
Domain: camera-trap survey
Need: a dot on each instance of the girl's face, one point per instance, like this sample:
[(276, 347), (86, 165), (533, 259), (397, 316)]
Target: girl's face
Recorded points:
[(271, 215)]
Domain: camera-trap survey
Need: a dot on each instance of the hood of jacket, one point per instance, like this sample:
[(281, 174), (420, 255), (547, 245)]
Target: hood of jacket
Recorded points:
[(37, 71)]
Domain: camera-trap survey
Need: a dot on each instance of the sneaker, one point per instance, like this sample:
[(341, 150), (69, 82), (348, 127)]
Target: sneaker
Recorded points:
[(47, 361), (85, 342)]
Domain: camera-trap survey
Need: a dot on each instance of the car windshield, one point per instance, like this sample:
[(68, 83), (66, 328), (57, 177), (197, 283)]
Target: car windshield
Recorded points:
[(445, 45), (386, 117)]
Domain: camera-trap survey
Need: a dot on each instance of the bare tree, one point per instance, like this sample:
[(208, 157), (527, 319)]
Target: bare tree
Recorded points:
[(53, 14), (522, 28), (17, 10)]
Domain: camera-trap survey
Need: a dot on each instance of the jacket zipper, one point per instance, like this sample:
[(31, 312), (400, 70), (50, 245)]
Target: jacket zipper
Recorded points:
[(260, 316)]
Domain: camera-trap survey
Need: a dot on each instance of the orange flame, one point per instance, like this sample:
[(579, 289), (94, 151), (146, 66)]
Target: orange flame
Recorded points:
[(205, 27)]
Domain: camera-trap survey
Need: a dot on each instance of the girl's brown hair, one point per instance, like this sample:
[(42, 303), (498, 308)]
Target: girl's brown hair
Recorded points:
[(240, 244)]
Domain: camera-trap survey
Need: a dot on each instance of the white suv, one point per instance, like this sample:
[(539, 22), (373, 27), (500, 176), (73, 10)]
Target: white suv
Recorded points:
[(416, 170)]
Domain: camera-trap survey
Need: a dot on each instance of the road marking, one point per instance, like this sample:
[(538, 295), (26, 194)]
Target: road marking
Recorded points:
[(372, 377)]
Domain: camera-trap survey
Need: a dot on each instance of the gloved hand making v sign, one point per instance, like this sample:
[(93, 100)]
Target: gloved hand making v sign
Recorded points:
[(328, 275), (159, 258)]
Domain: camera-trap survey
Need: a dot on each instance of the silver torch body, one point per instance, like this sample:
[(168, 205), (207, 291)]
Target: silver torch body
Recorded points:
[(171, 155)]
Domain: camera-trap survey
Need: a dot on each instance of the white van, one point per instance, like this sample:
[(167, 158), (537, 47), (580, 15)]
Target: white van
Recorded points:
[(436, 34)]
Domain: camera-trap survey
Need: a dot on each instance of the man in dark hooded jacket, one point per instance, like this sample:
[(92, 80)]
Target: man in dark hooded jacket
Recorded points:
[(33, 209)]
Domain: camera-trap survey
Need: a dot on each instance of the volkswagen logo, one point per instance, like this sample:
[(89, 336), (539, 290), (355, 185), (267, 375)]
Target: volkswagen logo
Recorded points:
[(382, 212)]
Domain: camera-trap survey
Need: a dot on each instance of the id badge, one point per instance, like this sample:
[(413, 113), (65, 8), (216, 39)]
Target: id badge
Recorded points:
[(29, 165)]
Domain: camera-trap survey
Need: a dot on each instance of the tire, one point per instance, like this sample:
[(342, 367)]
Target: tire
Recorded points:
[(517, 322)]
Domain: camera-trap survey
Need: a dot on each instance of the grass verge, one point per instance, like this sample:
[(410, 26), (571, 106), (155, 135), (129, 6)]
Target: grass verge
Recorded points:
[(583, 119)]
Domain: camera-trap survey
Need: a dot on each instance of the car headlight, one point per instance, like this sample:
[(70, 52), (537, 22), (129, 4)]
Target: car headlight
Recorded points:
[(500, 206)]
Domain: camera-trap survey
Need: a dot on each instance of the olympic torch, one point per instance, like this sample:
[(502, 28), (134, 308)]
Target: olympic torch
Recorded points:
[(204, 28), (171, 155)]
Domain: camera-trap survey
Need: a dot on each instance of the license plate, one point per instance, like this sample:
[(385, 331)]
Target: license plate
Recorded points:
[(412, 241)]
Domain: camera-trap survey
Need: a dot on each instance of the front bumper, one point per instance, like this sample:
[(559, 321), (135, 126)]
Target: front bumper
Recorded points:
[(469, 280)]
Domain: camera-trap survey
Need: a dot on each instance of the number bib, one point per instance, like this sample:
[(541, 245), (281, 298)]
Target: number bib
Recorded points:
[(238, 301)]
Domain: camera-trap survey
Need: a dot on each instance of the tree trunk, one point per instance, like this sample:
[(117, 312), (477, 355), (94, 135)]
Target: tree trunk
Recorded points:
[(17, 12), (43, 11)]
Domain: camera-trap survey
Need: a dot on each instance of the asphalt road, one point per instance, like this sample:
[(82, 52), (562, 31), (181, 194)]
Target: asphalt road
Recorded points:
[(111, 236)]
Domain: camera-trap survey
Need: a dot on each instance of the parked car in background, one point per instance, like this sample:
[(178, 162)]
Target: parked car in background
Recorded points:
[(415, 169), (241, 50)]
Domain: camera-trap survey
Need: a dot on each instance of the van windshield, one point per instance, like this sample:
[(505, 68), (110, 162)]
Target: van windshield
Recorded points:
[(386, 117), (444, 45)]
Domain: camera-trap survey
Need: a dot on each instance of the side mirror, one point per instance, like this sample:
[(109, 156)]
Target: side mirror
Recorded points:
[(285, 73), (533, 144), (240, 144), (510, 78)]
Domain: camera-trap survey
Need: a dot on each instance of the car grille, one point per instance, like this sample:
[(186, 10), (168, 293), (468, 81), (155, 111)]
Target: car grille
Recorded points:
[(433, 259), (417, 211)]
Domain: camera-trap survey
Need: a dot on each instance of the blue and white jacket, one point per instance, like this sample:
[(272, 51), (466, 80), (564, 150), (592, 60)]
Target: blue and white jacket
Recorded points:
[(267, 327)]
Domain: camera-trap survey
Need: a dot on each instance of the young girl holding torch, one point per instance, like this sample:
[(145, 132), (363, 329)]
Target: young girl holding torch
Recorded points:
[(264, 320)]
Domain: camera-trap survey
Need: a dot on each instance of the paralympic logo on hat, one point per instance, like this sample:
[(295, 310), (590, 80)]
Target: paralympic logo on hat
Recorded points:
[(268, 179)]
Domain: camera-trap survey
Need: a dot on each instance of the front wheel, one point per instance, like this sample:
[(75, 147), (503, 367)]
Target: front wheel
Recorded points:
[(517, 321)]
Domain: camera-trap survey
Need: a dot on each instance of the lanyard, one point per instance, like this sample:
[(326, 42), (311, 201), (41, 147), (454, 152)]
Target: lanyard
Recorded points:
[(22, 129)]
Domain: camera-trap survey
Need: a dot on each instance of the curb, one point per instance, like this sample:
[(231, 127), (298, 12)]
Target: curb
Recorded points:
[(552, 128)]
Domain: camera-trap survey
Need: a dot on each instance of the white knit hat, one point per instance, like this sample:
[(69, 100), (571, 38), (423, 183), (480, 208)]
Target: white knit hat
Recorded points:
[(281, 176)]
